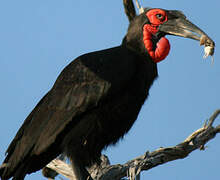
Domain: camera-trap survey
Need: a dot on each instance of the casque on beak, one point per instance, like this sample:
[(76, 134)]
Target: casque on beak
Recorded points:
[(179, 25)]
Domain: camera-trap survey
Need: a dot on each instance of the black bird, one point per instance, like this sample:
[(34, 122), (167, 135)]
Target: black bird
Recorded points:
[(96, 98)]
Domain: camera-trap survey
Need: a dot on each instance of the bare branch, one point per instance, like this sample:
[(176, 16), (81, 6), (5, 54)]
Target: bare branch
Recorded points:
[(213, 117), (149, 160), (50, 173), (62, 168), (141, 9)]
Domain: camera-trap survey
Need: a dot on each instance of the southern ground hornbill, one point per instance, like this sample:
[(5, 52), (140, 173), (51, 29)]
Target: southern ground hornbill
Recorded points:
[(96, 98)]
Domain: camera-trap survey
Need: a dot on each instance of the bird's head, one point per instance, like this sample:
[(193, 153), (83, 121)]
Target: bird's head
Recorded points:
[(146, 32)]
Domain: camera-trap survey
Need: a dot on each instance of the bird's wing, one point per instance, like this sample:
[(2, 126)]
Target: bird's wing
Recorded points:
[(81, 86)]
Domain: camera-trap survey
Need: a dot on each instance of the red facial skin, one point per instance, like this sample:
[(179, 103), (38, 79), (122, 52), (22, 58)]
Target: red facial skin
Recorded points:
[(156, 18)]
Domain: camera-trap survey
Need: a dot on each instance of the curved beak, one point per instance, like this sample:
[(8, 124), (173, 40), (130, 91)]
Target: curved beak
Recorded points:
[(179, 25)]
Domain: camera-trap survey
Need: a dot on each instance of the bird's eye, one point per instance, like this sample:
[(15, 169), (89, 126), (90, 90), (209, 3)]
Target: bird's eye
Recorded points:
[(159, 16)]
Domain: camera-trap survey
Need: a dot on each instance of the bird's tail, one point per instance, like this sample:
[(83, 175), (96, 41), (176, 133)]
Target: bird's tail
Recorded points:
[(5, 172), (2, 168)]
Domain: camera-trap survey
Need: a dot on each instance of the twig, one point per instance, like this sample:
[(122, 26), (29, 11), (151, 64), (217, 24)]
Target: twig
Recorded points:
[(213, 117), (141, 9), (50, 173), (196, 140), (62, 168)]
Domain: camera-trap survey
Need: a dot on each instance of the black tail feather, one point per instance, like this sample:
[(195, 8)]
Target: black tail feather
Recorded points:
[(6, 174), (2, 170)]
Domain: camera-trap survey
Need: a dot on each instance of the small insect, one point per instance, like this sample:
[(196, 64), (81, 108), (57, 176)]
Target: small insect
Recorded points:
[(209, 48)]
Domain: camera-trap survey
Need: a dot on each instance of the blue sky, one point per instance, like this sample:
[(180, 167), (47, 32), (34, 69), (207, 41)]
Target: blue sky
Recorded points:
[(39, 38)]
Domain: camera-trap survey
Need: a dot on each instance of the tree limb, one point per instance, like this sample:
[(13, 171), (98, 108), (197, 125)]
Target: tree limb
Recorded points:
[(132, 168)]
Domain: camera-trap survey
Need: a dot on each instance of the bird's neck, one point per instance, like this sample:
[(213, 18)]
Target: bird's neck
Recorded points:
[(137, 47)]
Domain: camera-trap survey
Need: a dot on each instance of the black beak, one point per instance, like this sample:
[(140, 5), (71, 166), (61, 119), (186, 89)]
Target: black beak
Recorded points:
[(179, 25)]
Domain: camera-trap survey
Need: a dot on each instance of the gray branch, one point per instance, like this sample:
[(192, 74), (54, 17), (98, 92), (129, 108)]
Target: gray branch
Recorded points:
[(132, 168)]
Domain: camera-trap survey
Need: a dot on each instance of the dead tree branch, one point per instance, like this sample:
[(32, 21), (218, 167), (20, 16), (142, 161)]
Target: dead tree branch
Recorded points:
[(132, 168)]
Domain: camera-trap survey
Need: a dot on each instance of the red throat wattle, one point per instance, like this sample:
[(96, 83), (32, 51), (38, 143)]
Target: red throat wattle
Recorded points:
[(156, 17)]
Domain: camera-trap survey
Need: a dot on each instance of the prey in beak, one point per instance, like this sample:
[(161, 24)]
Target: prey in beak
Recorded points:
[(178, 25)]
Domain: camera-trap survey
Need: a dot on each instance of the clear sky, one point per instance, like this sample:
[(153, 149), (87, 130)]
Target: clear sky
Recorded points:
[(39, 38)]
